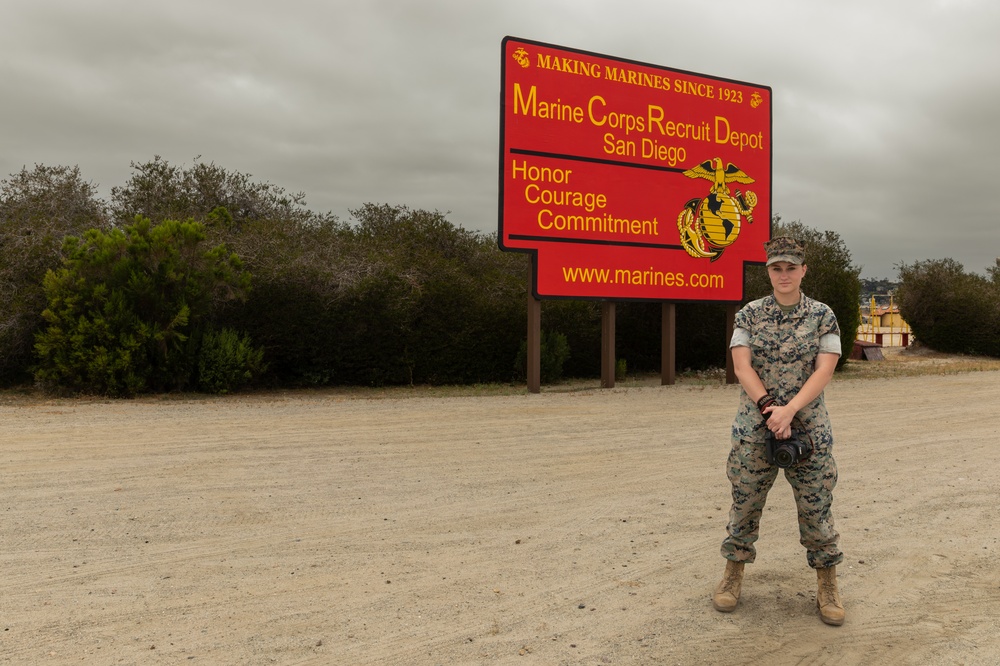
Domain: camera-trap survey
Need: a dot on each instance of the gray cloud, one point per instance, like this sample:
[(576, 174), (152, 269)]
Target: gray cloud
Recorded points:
[(884, 117)]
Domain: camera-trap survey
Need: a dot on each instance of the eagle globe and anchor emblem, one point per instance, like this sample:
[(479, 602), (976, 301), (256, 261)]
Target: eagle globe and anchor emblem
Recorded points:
[(709, 225)]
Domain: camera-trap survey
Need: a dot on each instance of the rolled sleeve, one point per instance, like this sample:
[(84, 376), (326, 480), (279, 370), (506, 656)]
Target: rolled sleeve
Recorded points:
[(828, 344), (741, 338)]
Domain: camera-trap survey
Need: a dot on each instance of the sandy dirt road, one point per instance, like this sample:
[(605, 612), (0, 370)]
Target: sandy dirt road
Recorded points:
[(571, 527)]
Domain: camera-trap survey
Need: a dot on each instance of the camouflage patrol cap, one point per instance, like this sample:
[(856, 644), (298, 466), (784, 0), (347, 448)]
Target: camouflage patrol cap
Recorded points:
[(785, 248)]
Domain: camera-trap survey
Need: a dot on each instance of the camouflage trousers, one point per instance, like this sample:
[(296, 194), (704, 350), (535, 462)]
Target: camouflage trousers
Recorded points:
[(812, 481)]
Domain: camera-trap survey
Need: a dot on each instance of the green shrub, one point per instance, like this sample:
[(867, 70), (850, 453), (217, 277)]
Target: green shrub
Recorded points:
[(402, 296), (126, 310), (228, 361), (699, 335), (161, 191), (38, 209), (580, 323), (948, 309), (554, 351)]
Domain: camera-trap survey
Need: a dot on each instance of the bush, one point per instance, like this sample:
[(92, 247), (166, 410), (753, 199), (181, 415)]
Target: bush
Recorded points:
[(161, 191), (554, 353), (700, 335), (38, 209), (948, 309), (402, 296), (395, 296), (553, 350), (580, 323), (228, 361), (126, 311)]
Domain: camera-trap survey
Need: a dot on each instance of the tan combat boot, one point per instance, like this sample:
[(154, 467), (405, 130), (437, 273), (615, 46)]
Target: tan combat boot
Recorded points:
[(727, 592), (831, 610)]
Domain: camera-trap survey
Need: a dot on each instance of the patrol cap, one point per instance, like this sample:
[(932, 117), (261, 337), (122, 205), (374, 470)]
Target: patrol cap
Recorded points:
[(785, 248)]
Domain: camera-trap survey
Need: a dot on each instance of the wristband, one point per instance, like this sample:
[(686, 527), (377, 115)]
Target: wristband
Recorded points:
[(766, 401)]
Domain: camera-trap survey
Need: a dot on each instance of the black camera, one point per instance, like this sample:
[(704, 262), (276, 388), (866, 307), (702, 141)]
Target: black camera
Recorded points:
[(787, 452)]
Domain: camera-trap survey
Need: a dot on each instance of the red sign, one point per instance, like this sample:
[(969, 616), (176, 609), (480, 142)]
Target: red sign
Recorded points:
[(629, 180)]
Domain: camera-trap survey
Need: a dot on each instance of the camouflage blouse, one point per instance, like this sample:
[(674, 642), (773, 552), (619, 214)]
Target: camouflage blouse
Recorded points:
[(783, 350)]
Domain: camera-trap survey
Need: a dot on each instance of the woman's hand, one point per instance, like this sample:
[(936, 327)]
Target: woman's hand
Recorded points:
[(779, 420), (779, 417)]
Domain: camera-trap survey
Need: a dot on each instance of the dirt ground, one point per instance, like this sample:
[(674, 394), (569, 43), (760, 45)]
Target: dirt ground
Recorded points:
[(578, 526)]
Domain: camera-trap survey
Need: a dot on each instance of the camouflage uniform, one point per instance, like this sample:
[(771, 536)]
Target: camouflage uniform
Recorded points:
[(783, 351)]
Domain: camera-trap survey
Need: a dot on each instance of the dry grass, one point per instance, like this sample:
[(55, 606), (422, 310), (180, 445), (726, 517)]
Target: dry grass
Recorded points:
[(916, 361), (898, 363)]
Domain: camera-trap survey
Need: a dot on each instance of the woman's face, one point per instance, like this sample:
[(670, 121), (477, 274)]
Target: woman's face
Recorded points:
[(786, 279)]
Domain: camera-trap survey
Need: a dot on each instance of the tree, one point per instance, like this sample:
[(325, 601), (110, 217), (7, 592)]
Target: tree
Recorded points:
[(950, 310), (831, 278), (400, 296), (38, 209), (302, 274), (449, 299), (126, 311), (159, 190)]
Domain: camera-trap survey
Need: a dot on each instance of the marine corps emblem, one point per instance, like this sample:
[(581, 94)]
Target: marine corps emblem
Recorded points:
[(708, 226), (521, 56)]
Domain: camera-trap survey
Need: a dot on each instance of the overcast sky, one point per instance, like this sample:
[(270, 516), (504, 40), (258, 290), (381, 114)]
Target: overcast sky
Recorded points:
[(886, 117)]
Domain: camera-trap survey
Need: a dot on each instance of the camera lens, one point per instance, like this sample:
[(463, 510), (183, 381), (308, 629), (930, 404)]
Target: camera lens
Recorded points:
[(783, 456)]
